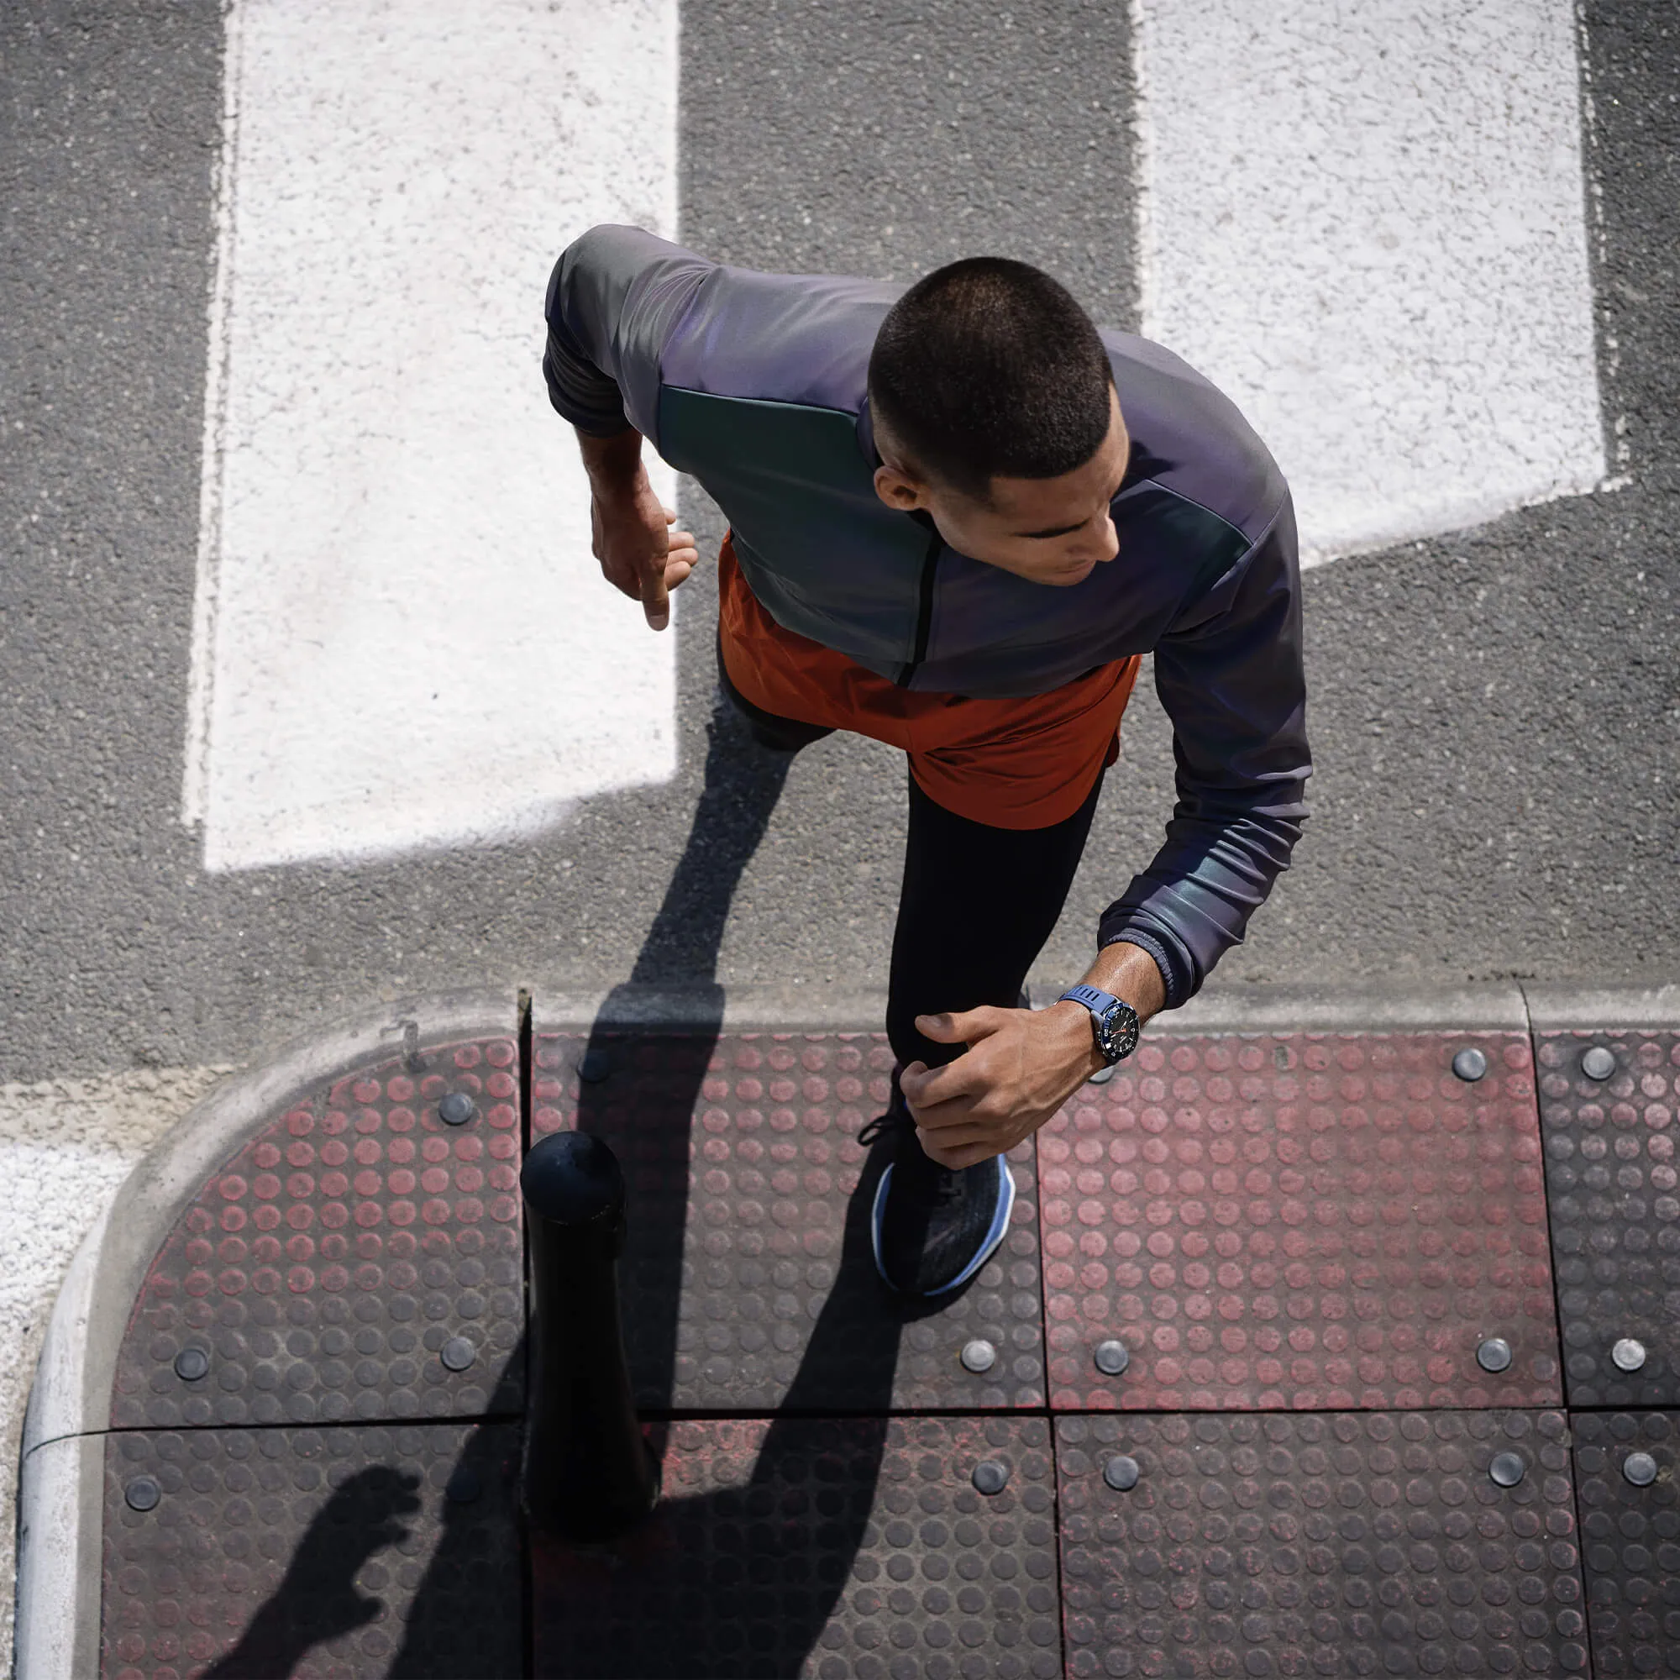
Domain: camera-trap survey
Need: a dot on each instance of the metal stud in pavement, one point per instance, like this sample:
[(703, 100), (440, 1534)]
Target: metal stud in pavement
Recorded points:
[(1111, 1358), (1507, 1469), (1494, 1354), (1598, 1063), (456, 1109), (990, 1476), (1640, 1469), (1470, 1065), (594, 1066), (457, 1353), (978, 1356), (1121, 1473), (142, 1494), (191, 1363), (1628, 1355)]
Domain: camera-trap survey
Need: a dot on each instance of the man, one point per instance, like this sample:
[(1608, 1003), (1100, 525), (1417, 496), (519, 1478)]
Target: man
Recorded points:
[(958, 518)]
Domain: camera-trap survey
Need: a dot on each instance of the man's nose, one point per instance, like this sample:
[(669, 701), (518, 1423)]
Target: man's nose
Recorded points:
[(1102, 544)]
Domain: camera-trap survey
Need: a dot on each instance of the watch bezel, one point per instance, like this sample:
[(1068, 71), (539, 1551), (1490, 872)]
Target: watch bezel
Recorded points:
[(1116, 1030)]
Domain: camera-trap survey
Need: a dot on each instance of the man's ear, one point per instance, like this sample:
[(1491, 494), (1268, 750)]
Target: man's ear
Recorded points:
[(898, 489)]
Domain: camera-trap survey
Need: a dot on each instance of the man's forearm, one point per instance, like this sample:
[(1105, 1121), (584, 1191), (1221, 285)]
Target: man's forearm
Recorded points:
[(613, 463)]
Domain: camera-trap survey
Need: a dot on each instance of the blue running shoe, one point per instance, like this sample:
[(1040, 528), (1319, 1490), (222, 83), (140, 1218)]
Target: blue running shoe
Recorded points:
[(933, 1227)]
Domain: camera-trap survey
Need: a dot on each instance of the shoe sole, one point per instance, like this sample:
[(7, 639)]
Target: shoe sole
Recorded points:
[(995, 1232)]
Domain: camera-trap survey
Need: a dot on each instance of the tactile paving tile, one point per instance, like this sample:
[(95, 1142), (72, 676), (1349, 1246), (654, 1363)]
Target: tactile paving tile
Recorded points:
[(1290, 1544), (819, 1548), (742, 1160), (1612, 1178), (353, 1550), (1309, 1221), (1630, 1540), (322, 1270)]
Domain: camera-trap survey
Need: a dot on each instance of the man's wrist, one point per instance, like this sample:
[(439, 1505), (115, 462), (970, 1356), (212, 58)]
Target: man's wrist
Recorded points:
[(1131, 974), (1079, 1052), (614, 464)]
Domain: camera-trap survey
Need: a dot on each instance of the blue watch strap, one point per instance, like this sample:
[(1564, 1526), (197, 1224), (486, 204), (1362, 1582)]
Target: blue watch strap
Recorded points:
[(1099, 1003)]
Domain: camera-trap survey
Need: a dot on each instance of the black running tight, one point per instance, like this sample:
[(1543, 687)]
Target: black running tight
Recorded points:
[(976, 907)]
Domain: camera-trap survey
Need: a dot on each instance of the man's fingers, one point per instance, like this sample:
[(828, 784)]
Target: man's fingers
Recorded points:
[(656, 602), (967, 1153), (926, 1090), (677, 573), (965, 1027)]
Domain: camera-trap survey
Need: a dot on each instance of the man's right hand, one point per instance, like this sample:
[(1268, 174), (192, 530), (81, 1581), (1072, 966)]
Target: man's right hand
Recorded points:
[(632, 533)]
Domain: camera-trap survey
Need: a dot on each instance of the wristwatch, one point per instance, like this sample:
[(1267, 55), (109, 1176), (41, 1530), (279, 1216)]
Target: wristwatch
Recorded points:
[(1114, 1025)]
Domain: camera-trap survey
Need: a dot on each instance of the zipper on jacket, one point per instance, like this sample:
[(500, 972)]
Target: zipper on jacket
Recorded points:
[(924, 611)]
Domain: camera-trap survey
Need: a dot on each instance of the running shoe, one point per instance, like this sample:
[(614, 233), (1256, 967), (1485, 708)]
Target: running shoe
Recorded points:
[(933, 1227)]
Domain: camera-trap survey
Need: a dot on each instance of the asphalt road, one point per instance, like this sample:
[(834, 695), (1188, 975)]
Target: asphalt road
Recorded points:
[(1494, 714)]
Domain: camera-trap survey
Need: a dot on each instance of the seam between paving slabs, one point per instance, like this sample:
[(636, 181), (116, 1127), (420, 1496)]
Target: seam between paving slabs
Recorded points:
[(527, 1083)]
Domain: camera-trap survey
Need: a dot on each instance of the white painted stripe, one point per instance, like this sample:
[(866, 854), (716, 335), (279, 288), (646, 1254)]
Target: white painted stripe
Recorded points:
[(401, 639), (1365, 223)]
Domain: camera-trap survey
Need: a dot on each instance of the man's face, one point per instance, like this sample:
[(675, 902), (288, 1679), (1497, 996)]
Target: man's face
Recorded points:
[(1048, 530)]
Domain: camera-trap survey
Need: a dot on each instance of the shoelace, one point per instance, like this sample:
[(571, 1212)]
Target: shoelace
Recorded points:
[(941, 1184), (894, 1120)]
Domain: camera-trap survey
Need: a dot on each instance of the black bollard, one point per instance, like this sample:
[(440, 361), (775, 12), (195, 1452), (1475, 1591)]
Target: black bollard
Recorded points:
[(588, 1472)]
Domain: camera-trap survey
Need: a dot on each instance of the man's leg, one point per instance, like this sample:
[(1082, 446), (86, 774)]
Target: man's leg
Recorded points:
[(977, 906), (779, 734)]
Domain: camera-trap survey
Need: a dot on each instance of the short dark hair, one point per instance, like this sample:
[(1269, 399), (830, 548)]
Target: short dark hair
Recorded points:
[(987, 368)]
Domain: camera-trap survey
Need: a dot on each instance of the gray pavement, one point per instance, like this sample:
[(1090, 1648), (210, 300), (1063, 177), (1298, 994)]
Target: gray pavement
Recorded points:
[(1494, 714)]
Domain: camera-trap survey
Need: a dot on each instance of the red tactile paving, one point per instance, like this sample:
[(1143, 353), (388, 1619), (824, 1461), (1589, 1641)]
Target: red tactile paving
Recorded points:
[(820, 1548), (322, 1269), (348, 1551), (742, 1158), (1613, 1181), (1305, 1221), (1366, 1544)]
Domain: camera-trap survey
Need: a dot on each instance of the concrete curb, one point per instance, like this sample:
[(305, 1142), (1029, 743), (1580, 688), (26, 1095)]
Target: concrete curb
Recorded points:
[(1240, 1009), (1602, 1009), (62, 1480)]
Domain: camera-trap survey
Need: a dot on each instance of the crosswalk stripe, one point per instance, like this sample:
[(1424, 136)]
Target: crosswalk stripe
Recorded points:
[(401, 639), (1365, 223)]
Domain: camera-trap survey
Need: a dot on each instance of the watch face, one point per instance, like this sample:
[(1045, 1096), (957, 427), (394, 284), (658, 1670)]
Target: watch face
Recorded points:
[(1117, 1031)]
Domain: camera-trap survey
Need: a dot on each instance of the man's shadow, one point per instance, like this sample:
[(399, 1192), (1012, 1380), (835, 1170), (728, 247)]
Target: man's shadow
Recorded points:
[(318, 1599), (740, 1580)]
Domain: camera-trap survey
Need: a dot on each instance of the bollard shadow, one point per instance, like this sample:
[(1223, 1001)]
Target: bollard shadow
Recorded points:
[(743, 1563), (317, 1598)]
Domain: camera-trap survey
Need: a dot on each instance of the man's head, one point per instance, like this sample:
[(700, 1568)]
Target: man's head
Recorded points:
[(994, 410)]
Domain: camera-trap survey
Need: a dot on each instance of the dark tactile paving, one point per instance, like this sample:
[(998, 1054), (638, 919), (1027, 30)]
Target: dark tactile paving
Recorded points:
[(1630, 1538), (345, 1551), (1614, 1187), (1304, 1221), (321, 1273), (747, 1280), (1288, 1544), (857, 1548)]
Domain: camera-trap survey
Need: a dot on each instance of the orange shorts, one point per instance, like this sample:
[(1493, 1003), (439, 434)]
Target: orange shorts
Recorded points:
[(1026, 763)]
